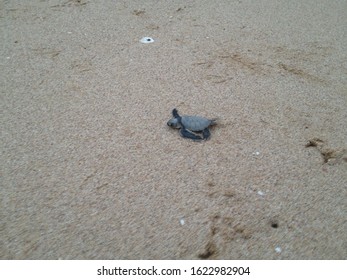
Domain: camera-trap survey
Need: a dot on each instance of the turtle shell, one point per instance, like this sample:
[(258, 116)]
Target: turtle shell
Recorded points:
[(195, 123)]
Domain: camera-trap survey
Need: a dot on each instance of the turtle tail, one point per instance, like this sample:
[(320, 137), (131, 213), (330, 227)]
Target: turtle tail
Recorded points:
[(214, 121)]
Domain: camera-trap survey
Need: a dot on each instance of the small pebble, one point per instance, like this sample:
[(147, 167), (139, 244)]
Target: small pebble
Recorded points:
[(278, 249), (260, 193), (182, 222)]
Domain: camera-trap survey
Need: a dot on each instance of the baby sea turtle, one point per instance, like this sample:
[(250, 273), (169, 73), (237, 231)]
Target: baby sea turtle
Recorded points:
[(192, 127)]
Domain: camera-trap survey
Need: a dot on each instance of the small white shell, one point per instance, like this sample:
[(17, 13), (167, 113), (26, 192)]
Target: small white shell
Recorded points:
[(278, 250), (147, 40), (261, 193)]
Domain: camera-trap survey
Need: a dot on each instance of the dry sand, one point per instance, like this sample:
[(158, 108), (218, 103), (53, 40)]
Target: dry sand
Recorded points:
[(89, 169)]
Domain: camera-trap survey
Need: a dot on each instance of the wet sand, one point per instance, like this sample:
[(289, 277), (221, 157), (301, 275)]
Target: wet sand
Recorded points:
[(90, 170)]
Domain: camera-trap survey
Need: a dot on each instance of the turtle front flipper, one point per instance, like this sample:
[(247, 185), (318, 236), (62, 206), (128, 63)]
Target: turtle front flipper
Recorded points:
[(175, 113), (187, 134), (206, 133)]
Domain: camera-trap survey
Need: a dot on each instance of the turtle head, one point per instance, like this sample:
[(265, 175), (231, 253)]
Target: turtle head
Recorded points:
[(174, 122)]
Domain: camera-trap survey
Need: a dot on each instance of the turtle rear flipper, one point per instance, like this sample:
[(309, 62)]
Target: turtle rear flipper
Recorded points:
[(206, 133), (187, 134)]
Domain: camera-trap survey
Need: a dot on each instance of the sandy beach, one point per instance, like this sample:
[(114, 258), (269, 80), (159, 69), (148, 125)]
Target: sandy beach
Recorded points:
[(90, 170)]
